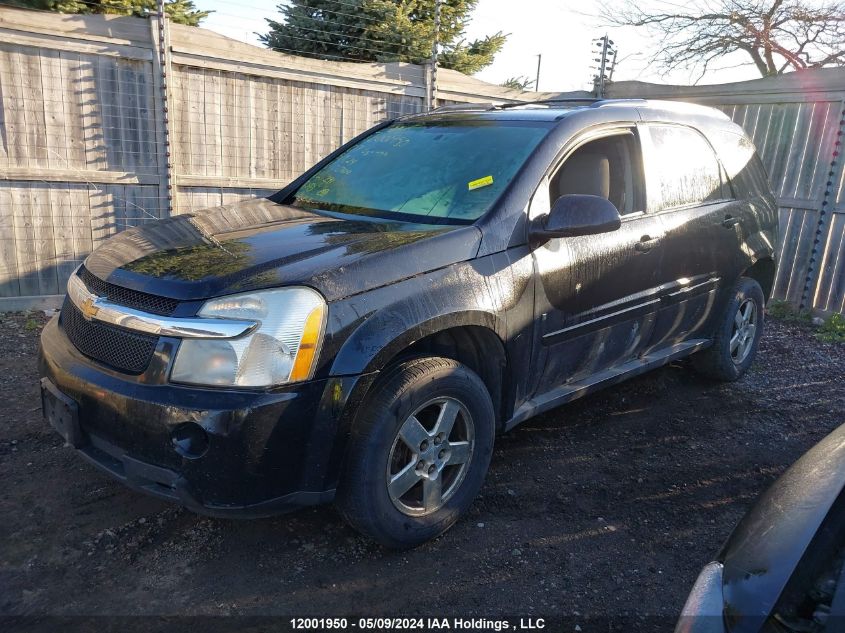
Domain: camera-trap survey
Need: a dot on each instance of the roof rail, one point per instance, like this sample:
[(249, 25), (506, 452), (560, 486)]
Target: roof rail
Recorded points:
[(552, 101), (470, 107), (487, 106), (623, 101)]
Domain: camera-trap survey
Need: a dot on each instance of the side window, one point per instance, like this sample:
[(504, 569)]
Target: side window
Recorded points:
[(609, 167), (682, 168)]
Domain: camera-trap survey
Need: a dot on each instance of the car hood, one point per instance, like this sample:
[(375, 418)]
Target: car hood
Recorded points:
[(262, 244)]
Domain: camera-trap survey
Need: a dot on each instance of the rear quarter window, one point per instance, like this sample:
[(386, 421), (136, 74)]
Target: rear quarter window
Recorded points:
[(745, 169)]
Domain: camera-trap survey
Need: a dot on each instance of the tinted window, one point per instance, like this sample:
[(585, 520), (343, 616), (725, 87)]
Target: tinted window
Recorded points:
[(682, 168), (424, 171)]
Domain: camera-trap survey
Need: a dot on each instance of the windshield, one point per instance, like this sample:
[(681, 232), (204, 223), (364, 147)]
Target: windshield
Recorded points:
[(432, 172)]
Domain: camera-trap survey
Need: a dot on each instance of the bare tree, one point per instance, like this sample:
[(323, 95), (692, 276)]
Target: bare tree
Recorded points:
[(777, 35)]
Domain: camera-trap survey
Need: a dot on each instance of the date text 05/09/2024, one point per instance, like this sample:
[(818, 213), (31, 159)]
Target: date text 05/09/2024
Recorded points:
[(424, 624)]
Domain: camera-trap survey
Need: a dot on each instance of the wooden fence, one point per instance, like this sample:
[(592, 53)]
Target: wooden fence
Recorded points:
[(108, 122), (91, 143)]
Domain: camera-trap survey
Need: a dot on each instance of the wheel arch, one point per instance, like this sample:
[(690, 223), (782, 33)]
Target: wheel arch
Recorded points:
[(763, 272), (470, 337), (476, 346)]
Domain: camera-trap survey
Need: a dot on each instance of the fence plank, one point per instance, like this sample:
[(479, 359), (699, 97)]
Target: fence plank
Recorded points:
[(242, 126), (129, 121), (76, 175), (67, 257), (284, 120), (72, 119), (22, 214), (195, 96), (9, 274), (79, 204), (44, 241), (50, 75), (228, 130), (36, 132), (15, 105), (258, 132), (830, 291), (112, 29), (212, 132), (180, 135)]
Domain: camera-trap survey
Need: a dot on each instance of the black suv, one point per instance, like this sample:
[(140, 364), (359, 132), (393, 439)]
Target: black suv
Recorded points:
[(363, 334)]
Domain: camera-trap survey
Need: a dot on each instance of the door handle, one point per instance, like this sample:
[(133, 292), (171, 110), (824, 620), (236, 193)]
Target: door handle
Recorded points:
[(645, 244), (729, 222)]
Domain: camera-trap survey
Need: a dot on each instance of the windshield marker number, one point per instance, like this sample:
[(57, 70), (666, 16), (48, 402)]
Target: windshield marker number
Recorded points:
[(481, 182)]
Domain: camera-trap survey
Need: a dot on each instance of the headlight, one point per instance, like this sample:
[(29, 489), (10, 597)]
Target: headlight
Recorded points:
[(282, 348)]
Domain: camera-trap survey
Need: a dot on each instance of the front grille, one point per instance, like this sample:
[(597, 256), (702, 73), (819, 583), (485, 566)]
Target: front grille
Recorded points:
[(120, 349), (126, 297)]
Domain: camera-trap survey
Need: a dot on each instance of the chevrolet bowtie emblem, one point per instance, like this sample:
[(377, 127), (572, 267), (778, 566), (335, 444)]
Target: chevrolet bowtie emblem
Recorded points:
[(89, 310)]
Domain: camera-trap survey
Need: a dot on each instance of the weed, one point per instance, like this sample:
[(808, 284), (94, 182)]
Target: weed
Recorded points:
[(785, 311), (832, 330)]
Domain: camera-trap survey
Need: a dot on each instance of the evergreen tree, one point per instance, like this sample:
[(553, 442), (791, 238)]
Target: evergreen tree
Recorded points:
[(381, 31), (518, 83), (180, 11)]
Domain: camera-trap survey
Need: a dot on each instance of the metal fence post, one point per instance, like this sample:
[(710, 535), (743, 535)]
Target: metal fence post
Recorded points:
[(161, 96), (818, 250), (435, 49)]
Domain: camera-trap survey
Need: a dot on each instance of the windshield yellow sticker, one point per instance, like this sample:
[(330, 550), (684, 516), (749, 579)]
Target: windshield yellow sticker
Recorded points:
[(481, 182)]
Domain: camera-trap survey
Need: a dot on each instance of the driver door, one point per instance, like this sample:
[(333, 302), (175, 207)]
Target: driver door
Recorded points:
[(596, 295)]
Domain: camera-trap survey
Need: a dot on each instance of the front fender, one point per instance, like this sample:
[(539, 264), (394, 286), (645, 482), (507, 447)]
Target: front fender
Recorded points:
[(377, 325), (410, 311)]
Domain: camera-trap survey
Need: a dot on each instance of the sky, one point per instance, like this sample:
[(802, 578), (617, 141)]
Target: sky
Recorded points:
[(562, 34)]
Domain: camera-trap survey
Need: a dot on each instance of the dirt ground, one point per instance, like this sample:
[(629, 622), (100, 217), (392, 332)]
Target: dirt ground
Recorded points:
[(603, 510)]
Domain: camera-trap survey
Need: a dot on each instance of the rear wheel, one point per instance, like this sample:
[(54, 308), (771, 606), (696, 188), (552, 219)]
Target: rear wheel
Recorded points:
[(738, 335), (418, 453)]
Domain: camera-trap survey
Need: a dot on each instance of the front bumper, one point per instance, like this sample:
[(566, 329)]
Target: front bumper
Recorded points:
[(268, 451)]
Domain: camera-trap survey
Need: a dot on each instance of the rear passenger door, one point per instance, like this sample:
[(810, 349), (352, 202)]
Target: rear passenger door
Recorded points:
[(688, 192)]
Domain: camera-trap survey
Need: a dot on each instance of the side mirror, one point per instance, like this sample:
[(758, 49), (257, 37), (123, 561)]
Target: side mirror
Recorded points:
[(576, 214)]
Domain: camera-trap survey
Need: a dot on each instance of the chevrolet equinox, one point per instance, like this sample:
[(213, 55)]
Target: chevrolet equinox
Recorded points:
[(363, 334)]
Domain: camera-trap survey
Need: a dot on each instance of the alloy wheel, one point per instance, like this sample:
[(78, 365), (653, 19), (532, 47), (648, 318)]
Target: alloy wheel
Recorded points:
[(744, 329), (430, 456)]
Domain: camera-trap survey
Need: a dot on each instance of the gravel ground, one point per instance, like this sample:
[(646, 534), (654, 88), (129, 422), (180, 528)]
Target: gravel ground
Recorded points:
[(600, 511)]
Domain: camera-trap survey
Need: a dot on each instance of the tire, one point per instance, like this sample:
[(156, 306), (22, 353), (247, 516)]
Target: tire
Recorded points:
[(431, 390), (729, 358)]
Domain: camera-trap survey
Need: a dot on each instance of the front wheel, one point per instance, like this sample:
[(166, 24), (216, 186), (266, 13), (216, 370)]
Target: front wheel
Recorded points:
[(418, 452), (738, 334)]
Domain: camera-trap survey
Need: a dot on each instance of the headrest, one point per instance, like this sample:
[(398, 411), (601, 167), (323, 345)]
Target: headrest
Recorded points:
[(585, 173)]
